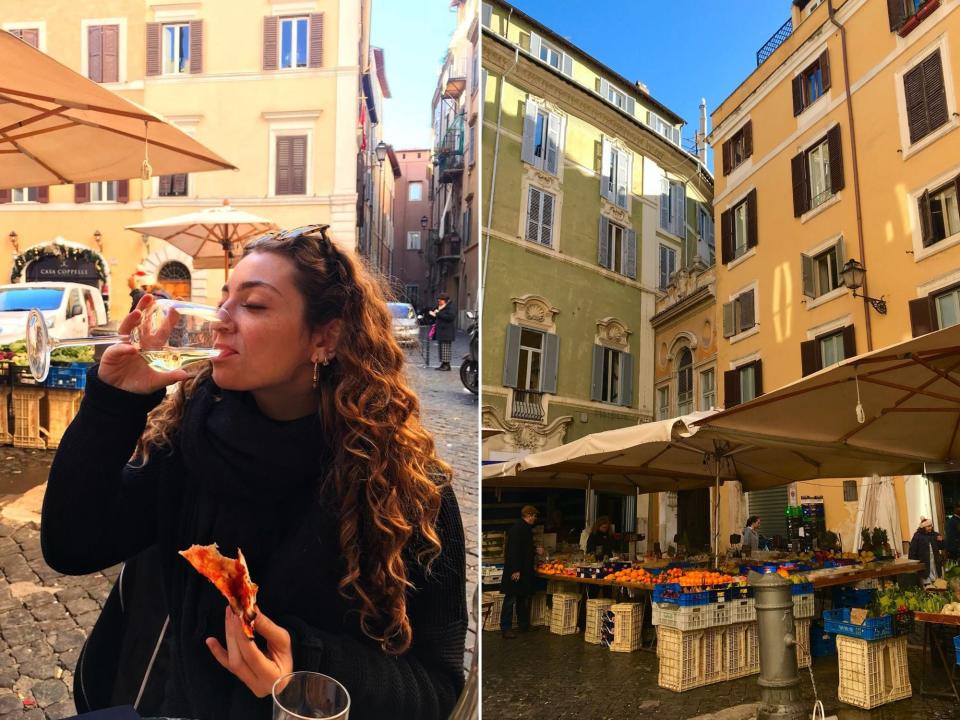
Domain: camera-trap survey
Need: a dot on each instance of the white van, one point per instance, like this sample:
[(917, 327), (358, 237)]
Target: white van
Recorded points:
[(70, 309)]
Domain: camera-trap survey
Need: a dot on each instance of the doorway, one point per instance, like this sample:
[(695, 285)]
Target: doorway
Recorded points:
[(174, 278), (693, 519)]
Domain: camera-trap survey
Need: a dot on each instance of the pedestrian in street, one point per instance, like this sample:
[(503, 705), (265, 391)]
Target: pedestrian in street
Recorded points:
[(751, 533), (301, 445), (925, 547), (517, 582), (952, 544), (445, 316)]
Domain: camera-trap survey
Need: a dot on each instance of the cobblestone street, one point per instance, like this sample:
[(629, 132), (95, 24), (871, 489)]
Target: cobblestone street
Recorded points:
[(44, 616)]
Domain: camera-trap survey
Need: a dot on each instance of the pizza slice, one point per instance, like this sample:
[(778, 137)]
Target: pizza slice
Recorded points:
[(231, 577)]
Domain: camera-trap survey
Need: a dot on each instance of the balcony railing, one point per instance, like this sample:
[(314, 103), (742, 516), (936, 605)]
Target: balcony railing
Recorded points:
[(450, 152), (455, 79), (450, 167), (527, 405), (775, 41), (448, 248)]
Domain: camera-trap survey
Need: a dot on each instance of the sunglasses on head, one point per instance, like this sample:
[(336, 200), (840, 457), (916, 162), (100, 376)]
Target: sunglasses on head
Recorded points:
[(303, 231)]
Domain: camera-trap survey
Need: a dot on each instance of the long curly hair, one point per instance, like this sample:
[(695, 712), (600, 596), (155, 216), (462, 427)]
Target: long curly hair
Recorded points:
[(385, 477)]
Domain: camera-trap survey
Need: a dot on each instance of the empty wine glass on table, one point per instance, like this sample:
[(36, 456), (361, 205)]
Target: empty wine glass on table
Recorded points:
[(305, 695), (171, 334)]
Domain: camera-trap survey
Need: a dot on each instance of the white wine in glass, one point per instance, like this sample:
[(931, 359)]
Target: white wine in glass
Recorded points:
[(172, 334)]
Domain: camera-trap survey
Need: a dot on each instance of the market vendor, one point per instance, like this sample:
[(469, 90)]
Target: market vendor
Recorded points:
[(751, 533), (953, 534), (925, 547), (602, 540)]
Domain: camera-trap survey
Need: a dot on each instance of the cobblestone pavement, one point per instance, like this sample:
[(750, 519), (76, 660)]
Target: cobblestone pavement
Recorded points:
[(45, 616), (542, 675)]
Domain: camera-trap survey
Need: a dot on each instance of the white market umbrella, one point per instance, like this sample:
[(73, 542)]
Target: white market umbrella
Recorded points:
[(878, 508)]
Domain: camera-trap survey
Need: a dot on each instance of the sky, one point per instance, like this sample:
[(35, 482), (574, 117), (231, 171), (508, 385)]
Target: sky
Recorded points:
[(414, 36), (681, 49)]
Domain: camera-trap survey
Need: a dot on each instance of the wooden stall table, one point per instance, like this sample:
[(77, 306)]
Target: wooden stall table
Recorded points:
[(871, 571), (934, 624)]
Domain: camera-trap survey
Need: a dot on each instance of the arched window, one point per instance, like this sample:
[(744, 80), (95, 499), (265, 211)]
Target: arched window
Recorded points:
[(174, 277), (685, 382)]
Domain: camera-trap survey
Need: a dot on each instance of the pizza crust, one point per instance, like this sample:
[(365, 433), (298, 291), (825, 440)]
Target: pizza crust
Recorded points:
[(231, 577)]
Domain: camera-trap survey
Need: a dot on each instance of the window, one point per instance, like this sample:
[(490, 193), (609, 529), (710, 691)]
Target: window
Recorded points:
[(531, 360), (708, 390), (706, 245), (291, 165), (662, 127), (413, 240), (817, 173), (812, 83), (907, 14), (617, 169), (948, 309), (614, 241), (739, 314), (103, 191), (821, 272), (103, 49), (542, 138), (925, 96), (616, 97), (828, 349), (668, 265), (938, 310), (610, 391), (31, 36), (748, 383), (738, 228), (173, 185), (475, 71), (685, 382), (673, 207), (540, 217), (467, 226), (293, 42), (850, 491), (612, 376), (551, 55), (939, 215), (530, 367), (546, 51), (22, 195), (617, 248), (738, 148), (663, 402), (176, 49), (415, 192), (473, 144), (486, 14), (742, 384), (412, 294)]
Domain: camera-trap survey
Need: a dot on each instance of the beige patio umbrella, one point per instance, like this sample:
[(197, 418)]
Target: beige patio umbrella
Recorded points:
[(57, 127), (213, 237)]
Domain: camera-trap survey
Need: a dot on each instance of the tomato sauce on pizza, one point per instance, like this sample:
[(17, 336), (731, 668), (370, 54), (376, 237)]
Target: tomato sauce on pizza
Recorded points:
[(231, 577)]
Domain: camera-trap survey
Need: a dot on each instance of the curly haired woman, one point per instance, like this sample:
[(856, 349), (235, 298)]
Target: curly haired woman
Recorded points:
[(300, 444)]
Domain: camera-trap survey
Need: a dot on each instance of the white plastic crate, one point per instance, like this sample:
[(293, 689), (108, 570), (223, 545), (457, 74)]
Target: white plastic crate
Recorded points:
[(801, 631), (743, 610), (741, 650), (682, 617), (596, 607), (719, 614), (539, 612), (627, 625), (689, 659), (872, 672), (802, 606), (563, 616)]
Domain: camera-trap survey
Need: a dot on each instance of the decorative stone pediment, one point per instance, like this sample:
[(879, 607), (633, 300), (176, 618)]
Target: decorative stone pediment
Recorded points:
[(523, 437), (535, 311), (615, 212), (544, 180), (683, 339), (613, 333)]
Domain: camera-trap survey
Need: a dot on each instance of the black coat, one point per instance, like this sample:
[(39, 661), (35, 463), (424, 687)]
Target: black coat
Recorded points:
[(605, 540), (920, 550), (518, 557), (240, 479), (952, 536), (446, 319)]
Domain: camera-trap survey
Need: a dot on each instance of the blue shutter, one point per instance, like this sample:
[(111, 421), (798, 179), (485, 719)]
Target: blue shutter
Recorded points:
[(603, 252), (630, 254), (511, 357), (626, 379), (529, 132), (551, 354), (596, 383)]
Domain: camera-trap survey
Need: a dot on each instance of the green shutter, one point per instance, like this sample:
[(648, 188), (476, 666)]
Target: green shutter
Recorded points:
[(529, 132), (511, 357), (630, 253), (596, 381), (626, 379), (603, 250), (551, 354)]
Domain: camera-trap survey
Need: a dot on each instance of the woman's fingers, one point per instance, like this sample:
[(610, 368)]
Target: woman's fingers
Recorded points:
[(129, 322), (275, 635)]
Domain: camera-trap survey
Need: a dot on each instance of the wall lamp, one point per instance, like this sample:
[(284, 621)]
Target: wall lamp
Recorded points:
[(852, 276), (98, 239), (13, 241)]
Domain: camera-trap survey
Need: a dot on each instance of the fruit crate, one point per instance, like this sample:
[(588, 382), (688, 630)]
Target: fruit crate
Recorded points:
[(741, 650), (822, 643), (742, 611), (739, 592), (691, 659), (596, 607), (872, 673), (803, 606), (60, 407), (539, 612), (492, 621), (73, 376), (563, 615), (682, 617), (6, 437), (801, 633), (675, 593), (26, 417), (5, 373), (838, 621), (848, 597), (20, 375), (627, 624), (803, 588)]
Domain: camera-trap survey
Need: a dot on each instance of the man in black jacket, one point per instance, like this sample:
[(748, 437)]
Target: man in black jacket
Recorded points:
[(517, 583), (953, 534)]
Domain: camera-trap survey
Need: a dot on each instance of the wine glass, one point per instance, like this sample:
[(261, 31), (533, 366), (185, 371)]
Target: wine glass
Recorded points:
[(171, 334), (305, 695)]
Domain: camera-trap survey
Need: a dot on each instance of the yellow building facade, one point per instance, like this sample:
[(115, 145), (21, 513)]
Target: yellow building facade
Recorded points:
[(840, 146), (275, 87)]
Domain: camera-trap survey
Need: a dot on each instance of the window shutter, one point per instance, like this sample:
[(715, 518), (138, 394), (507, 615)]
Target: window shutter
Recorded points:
[(726, 156), (196, 46), (298, 162), (81, 193), (154, 52), (31, 37), (731, 388), (110, 48), (809, 357), (807, 272), (180, 184), (841, 256), (757, 378), (551, 354), (596, 376), (165, 185), (630, 253), (535, 45), (922, 318), (43, 194), (546, 221), (511, 358), (607, 169), (567, 65), (747, 139), (729, 320), (752, 234), (726, 236), (798, 95), (825, 69), (623, 178), (631, 105), (271, 55), (664, 203), (835, 151), (603, 251), (123, 191), (533, 215), (913, 95), (748, 315), (626, 379), (486, 14), (95, 53), (4, 196), (926, 222), (316, 40), (529, 133), (284, 163), (849, 342), (604, 89), (555, 123), (934, 91), (678, 205), (801, 198)]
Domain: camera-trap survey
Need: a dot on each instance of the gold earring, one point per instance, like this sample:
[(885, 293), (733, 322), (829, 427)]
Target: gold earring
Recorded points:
[(327, 359), (316, 375)]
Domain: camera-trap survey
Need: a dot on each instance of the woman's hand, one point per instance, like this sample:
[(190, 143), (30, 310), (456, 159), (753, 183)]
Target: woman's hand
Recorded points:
[(258, 671), (122, 366)]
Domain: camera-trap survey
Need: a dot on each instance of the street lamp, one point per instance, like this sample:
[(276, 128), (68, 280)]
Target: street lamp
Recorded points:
[(13, 241), (424, 222), (381, 151), (852, 276), (98, 239)]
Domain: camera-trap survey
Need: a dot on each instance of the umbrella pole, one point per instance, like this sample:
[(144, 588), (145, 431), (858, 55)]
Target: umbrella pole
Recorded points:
[(716, 512)]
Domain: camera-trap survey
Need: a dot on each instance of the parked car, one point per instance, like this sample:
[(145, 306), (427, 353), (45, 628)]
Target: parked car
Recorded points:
[(70, 309), (406, 329)]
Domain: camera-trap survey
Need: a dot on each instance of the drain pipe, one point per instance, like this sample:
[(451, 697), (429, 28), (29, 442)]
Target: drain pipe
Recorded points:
[(856, 170), (493, 174)]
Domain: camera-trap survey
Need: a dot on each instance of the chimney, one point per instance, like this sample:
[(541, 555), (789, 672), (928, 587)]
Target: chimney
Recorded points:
[(702, 135)]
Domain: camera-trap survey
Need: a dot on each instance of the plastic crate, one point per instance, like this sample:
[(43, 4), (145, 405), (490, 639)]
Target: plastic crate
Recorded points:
[(5, 369), (801, 633), (20, 375), (689, 660), (596, 607), (838, 621), (627, 625), (803, 606), (539, 612), (872, 673), (674, 593), (26, 417), (492, 621), (741, 650), (682, 617), (59, 408), (6, 437), (739, 592), (742, 611), (956, 647), (822, 643), (563, 615), (73, 376), (804, 588), (848, 597)]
